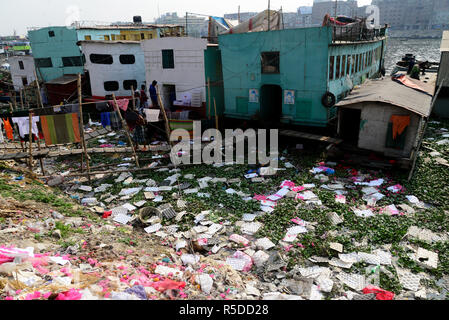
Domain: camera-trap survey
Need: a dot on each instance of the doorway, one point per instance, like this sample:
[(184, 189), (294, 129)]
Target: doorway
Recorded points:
[(271, 103), (350, 125), (169, 96)]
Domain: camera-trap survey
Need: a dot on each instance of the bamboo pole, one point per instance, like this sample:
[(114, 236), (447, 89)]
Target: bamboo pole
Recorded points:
[(11, 109), (161, 106), (30, 134), (208, 90), (39, 98), (134, 101), (216, 115), (125, 126), (80, 98), (40, 159), (21, 99)]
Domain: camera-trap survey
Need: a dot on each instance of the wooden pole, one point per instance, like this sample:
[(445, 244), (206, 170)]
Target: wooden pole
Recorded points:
[(80, 98), (21, 99), (30, 134), (11, 109), (216, 115), (161, 106), (125, 126), (134, 101), (39, 98), (208, 90), (40, 159), (13, 96)]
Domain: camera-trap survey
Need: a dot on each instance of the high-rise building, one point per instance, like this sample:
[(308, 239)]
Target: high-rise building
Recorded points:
[(320, 8)]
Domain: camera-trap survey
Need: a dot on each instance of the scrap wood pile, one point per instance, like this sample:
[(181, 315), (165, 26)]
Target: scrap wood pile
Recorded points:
[(314, 230)]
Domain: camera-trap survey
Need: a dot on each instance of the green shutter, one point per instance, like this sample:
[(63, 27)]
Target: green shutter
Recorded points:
[(168, 61), (399, 142)]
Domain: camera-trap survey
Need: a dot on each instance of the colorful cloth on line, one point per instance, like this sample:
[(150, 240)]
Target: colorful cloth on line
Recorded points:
[(24, 125), (105, 119), (8, 129), (116, 123), (60, 129), (122, 104)]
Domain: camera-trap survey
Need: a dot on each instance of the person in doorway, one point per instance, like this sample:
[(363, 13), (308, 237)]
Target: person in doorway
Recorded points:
[(153, 95), (143, 98)]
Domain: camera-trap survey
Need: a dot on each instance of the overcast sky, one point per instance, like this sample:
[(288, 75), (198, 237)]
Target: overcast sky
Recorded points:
[(20, 14)]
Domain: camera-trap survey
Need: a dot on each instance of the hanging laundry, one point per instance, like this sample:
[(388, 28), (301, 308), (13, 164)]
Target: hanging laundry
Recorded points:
[(8, 129), (24, 125), (399, 124), (116, 123), (123, 104), (152, 115), (105, 119), (60, 129)]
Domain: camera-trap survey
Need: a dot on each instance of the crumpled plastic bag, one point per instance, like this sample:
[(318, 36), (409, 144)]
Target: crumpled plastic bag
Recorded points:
[(380, 293), (168, 284)]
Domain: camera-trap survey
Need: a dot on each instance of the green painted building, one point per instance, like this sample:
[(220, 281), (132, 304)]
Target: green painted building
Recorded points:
[(292, 76)]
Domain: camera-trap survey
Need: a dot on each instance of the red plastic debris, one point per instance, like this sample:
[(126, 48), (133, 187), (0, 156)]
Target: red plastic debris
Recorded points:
[(168, 284), (107, 214), (380, 293)]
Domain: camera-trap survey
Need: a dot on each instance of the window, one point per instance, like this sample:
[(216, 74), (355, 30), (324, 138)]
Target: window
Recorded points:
[(136, 37), (113, 37), (142, 36), (331, 68), (51, 34), (107, 38), (101, 58), (168, 61), (111, 86), (337, 71), (21, 65), (72, 62), (360, 63), (127, 84), (24, 81), (270, 62), (122, 37), (43, 63), (88, 38), (343, 67), (127, 59)]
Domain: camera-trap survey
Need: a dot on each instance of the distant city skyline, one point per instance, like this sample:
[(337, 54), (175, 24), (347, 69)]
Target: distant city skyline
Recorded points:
[(19, 15)]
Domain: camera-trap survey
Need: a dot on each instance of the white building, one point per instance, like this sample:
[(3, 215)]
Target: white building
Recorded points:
[(114, 67), (22, 71), (177, 64)]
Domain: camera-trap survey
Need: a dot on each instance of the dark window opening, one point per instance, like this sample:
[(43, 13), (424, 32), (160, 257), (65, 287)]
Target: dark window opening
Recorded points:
[(111, 86), (51, 34), (353, 63), (348, 66), (127, 59), (343, 67), (24, 81), (270, 62), (43, 63), (130, 84), (101, 58), (142, 36), (350, 125), (21, 65), (72, 62), (168, 60), (331, 68)]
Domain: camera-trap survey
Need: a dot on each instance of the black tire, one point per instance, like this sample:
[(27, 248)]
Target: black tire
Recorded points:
[(328, 100)]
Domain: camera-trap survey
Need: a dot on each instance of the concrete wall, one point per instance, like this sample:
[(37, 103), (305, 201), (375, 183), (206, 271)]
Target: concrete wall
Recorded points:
[(188, 75), (17, 74), (117, 34), (374, 127), (100, 73), (63, 44)]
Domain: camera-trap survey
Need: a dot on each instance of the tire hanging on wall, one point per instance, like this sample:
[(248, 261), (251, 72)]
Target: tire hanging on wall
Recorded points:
[(328, 100)]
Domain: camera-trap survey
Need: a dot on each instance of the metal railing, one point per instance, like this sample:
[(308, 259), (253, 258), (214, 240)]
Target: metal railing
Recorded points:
[(356, 33)]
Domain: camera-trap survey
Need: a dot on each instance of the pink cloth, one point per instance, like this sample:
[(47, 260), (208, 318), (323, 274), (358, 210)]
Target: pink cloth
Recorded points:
[(123, 104)]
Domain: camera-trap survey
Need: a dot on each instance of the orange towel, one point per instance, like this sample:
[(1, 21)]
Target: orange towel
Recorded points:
[(399, 124), (8, 129)]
